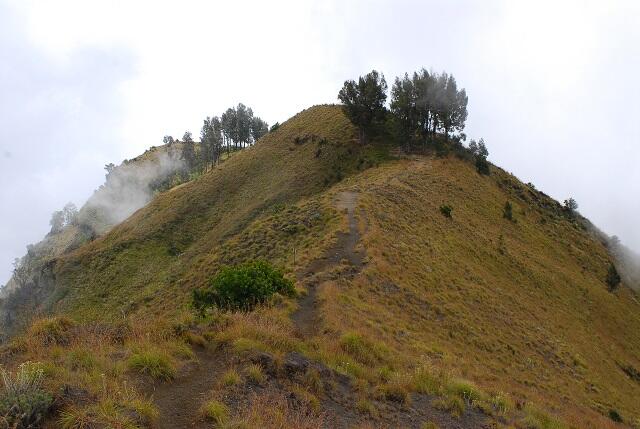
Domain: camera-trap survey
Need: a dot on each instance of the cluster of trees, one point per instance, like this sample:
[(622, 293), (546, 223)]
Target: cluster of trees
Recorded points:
[(237, 128), (427, 103), (63, 218), (421, 105), (364, 101)]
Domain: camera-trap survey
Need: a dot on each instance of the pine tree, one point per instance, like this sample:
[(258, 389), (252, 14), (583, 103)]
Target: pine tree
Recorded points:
[(188, 151), (364, 101)]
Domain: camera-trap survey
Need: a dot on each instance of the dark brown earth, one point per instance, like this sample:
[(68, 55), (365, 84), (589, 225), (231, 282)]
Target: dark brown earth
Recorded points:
[(179, 401)]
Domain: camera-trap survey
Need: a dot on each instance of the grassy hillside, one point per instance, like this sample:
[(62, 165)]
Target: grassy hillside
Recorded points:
[(519, 306), (177, 242), (405, 317)]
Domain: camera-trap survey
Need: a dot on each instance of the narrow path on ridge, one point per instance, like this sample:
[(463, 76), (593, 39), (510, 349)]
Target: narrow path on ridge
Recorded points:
[(305, 317)]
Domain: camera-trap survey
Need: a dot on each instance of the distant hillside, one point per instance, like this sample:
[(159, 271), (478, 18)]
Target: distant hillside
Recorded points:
[(406, 316)]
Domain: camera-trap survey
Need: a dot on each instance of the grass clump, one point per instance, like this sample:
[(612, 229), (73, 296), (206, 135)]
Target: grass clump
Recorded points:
[(242, 287), (465, 390), (23, 402), (366, 407), (362, 349), (255, 374), (81, 359), (452, 404), (155, 363), (231, 378), (537, 419), (398, 388), (425, 380), (215, 411), (51, 330)]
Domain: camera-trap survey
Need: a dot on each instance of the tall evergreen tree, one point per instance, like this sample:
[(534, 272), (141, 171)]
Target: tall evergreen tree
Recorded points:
[(258, 128), (403, 107), (244, 117), (229, 129), (363, 101), (210, 141), (189, 151)]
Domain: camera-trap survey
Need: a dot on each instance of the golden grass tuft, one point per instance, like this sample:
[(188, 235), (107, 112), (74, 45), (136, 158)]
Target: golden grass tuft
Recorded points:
[(153, 362), (216, 412), (231, 378)]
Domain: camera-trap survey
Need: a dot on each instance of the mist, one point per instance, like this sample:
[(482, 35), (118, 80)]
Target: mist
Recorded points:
[(129, 187)]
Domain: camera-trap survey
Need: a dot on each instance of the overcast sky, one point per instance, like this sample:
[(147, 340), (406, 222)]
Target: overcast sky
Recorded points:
[(554, 87)]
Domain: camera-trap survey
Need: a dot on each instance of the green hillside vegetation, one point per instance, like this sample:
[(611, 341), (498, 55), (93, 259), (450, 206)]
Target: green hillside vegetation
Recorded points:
[(402, 317)]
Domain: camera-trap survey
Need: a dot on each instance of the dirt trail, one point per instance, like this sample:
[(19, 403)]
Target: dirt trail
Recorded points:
[(305, 317), (179, 401)]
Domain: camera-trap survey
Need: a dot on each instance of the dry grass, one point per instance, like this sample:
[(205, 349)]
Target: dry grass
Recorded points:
[(274, 411), (87, 368), (453, 307), (516, 307)]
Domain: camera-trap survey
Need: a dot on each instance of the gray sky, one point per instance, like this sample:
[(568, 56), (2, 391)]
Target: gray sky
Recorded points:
[(553, 86)]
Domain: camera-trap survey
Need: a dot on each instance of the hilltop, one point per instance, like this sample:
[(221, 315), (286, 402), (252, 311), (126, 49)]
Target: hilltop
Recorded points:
[(419, 302)]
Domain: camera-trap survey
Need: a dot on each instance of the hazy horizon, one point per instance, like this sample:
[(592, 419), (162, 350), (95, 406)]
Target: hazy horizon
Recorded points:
[(552, 87)]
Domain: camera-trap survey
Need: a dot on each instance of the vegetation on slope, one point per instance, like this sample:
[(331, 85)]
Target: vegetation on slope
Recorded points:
[(407, 317)]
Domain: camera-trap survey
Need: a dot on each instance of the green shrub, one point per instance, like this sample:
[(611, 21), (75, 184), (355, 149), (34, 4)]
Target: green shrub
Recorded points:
[(446, 211), (482, 165), (507, 212), (154, 363), (24, 403), (243, 287), (615, 416), (613, 278)]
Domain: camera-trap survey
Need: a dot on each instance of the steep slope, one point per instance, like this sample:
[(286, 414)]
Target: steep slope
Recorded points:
[(518, 306), (399, 307), (177, 242)]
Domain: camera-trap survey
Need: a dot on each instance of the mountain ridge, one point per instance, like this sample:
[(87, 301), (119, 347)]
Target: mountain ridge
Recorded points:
[(520, 305)]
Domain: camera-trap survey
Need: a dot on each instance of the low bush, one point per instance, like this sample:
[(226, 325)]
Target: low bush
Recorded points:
[(507, 212), (615, 416), (23, 402), (446, 211), (482, 165), (613, 278), (243, 287)]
